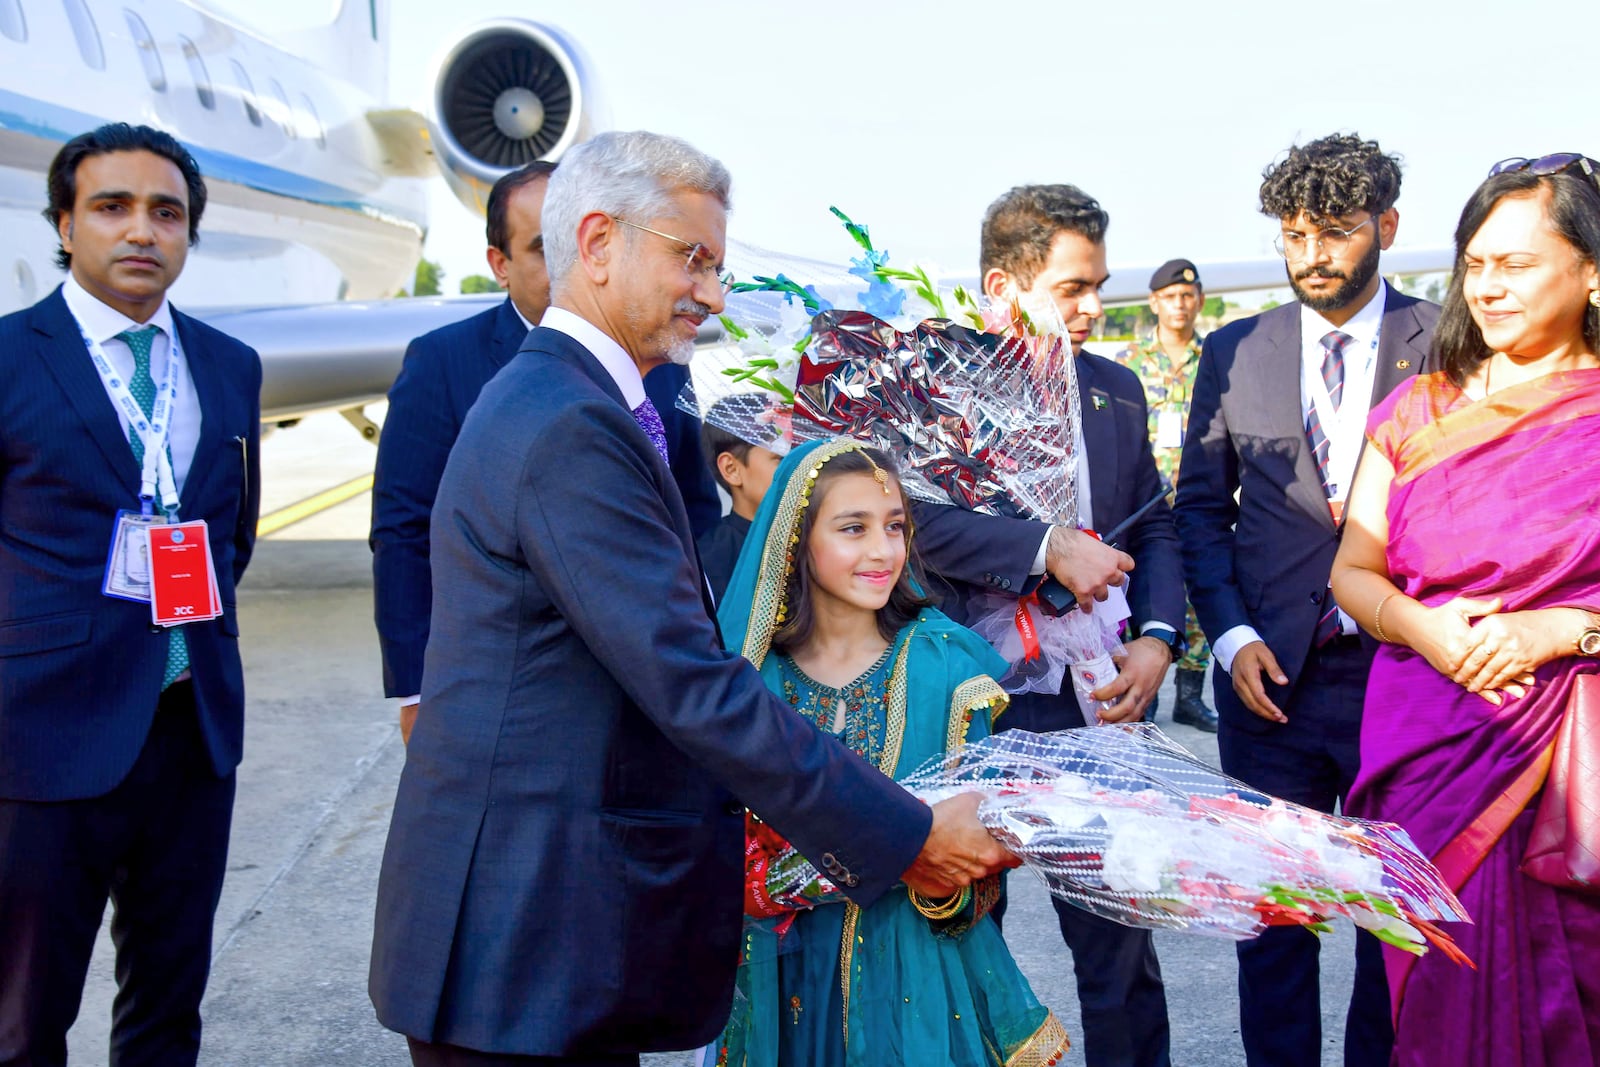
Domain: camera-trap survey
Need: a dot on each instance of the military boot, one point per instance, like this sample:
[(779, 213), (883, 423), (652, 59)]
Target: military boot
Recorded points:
[(1191, 709)]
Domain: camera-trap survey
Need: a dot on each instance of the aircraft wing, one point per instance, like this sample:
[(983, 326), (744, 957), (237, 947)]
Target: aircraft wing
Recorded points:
[(337, 356)]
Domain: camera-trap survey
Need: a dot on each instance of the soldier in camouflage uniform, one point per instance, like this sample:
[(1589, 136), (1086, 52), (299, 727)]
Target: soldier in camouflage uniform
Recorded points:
[(1165, 362)]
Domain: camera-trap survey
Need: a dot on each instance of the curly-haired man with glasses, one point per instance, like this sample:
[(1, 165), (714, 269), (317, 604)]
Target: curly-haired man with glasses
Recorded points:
[(1277, 424)]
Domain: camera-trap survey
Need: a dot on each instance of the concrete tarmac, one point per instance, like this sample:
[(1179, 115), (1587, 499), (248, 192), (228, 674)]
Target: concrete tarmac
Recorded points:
[(322, 755)]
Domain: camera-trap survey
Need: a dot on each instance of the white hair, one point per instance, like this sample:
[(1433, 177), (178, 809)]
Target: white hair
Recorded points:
[(626, 175)]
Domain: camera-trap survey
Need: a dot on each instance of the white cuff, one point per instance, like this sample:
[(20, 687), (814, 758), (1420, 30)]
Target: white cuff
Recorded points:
[(1156, 629), (1224, 648), (401, 702), (1039, 557)]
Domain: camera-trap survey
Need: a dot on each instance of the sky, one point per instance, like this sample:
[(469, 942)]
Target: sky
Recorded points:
[(913, 117)]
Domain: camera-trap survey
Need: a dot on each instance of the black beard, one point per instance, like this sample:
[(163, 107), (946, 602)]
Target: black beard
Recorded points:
[(1354, 282)]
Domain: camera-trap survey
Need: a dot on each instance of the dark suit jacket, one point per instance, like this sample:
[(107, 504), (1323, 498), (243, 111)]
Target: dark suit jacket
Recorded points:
[(968, 553), (1264, 559), (80, 672), (563, 870), (440, 379)]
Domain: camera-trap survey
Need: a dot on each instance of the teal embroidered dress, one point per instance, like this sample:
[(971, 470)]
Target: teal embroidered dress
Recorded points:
[(841, 986)]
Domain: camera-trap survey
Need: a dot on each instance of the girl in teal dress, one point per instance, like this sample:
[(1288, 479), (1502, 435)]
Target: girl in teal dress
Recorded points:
[(822, 603)]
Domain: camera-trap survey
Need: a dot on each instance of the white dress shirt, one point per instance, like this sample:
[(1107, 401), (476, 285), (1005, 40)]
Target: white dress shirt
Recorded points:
[(102, 323), (1348, 429)]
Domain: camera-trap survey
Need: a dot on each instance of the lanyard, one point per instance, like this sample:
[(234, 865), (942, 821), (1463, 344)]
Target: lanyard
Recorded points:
[(157, 472), (1343, 443)]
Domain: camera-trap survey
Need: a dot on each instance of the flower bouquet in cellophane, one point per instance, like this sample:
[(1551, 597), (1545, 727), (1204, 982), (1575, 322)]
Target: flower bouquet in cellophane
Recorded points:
[(977, 405), (1124, 823)]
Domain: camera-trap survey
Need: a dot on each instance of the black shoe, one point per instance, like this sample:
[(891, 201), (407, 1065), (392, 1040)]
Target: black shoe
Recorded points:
[(1191, 709)]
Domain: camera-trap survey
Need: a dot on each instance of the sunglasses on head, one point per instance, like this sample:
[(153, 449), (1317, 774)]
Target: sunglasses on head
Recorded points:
[(1554, 163)]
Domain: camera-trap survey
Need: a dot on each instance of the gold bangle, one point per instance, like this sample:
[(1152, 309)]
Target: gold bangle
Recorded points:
[(1377, 619), (937, 910)]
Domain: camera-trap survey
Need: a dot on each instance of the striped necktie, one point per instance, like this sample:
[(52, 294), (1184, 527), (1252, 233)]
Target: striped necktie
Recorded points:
[(1333, 346), (143, 388)]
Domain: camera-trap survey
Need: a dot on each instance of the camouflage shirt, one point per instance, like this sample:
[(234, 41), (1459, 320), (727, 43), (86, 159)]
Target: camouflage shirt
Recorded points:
[(1167, 387)]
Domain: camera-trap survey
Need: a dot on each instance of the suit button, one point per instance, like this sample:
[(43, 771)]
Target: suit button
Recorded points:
[(733, 807), (1005, 583), (1316, 598), (851, 880), (830, 861)]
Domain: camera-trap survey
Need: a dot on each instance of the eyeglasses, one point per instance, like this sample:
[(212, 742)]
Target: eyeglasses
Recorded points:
[(1294, 245), (699, 261), (1554, 163)]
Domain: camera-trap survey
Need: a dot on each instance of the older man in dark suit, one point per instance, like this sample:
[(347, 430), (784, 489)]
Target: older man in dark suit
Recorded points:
[(561, 882), (439, 381), (1276, 427), (118, 738)]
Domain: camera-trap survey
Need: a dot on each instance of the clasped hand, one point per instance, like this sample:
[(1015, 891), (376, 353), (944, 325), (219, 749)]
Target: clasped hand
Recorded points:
[(958, 851), (1497, 653)]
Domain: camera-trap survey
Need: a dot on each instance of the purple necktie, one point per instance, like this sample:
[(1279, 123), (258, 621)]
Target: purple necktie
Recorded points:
[(649, 420)]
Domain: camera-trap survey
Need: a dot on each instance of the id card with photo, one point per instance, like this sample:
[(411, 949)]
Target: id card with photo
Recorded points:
[(183, 582), (128, 561)]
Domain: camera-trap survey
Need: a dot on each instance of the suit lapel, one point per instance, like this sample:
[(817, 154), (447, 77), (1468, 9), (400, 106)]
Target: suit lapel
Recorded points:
[(206, 381), (62, 350), (1401, 352), (1279, 371), (561, 346), (1099, 413)]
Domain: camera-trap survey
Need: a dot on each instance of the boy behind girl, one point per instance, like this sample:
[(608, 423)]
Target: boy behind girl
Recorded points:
[(744, 471)]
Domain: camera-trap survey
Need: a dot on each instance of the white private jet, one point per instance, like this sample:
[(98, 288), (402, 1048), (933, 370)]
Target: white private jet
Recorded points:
[(316, 211)]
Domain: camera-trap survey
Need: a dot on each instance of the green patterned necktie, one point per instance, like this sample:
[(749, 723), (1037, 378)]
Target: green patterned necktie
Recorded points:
[(143, 388)]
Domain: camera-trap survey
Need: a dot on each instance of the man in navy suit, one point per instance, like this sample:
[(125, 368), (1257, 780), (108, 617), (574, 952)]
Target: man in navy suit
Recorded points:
[(118, 739), (562, 879), (1276, 427), (1044, 246), (441, 377)]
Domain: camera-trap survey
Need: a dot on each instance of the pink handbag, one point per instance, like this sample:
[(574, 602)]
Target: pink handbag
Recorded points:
[(1564, 850)]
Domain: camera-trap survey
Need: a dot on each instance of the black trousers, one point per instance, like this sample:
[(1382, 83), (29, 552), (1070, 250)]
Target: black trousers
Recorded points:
[(1311, 760), (156, 846), (428, 1054), (1120, 993)]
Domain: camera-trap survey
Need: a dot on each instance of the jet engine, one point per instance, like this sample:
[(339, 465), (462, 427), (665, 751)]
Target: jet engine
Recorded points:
[(507, 93)]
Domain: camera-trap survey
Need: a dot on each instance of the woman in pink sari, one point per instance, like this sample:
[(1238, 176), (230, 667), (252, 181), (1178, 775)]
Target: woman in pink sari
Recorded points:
[(1472, 549)]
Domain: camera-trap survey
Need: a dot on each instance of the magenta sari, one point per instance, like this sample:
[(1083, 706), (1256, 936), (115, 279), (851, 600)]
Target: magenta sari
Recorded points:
[(1499, 497)]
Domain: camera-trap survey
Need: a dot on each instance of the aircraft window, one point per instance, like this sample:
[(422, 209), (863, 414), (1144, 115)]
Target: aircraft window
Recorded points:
[(286, 115), (12, 24), (197, 71), (149, 57), (247, 92), (87, 36), (315, 120)]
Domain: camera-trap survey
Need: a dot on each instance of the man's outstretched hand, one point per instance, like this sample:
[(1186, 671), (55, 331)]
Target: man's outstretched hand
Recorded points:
[(958, 851)]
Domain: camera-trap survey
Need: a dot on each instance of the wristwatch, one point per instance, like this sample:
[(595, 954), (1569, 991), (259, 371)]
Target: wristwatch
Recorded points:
[(1176, 643), (1589, 640)]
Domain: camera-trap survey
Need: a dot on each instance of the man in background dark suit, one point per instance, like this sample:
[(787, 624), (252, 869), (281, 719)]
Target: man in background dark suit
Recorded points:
[(118, 739), (1044, 245), (1276, 427), (561, 882), (440, 379)]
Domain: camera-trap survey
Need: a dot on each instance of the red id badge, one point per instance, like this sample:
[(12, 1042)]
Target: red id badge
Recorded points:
[(182, 583)]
